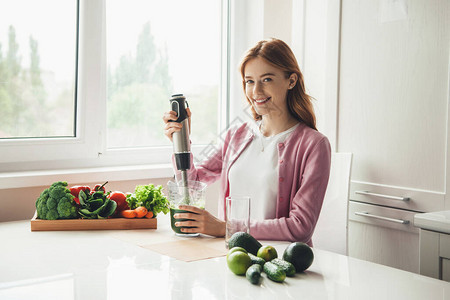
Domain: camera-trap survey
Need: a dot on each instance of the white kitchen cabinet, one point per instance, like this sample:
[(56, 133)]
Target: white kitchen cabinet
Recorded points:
[(435, 254), (434, 244), (446, 269), (394, 92), (383, 235), (392, 115)]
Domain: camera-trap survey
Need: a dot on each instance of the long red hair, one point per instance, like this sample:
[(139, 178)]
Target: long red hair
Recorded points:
[(280, 55)]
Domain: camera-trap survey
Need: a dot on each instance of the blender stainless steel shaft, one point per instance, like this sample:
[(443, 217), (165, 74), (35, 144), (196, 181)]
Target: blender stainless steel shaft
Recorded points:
[(181, 145)]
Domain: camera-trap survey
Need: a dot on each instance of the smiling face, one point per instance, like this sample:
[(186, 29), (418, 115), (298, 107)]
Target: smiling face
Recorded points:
[(266, 87)]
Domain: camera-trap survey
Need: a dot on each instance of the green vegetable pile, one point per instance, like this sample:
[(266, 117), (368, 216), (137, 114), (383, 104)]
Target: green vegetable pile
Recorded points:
[(96, 205), (149, 196), (60, 202), (56, 202), (241, 258)]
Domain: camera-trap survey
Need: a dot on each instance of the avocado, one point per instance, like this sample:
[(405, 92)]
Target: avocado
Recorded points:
[(300, 255), (253, 273), (274, 272), (287, 267), (244, 240)]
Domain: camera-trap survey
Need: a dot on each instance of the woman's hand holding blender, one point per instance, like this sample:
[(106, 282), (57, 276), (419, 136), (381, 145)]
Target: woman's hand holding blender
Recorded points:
[(201, 219), (171, 127)]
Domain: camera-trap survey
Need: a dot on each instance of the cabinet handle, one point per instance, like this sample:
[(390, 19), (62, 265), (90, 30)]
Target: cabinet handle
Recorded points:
[(382, 196), (366, 214)]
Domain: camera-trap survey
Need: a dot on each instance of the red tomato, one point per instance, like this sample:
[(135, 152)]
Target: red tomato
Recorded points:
[(120, 199)]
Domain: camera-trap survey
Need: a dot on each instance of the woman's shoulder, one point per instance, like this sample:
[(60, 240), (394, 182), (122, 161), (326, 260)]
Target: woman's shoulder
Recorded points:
[(241, 129), (304, 134)]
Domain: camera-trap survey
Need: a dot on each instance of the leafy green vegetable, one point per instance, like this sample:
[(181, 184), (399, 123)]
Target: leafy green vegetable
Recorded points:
[(96, 205), (56, 202), (150, 197)]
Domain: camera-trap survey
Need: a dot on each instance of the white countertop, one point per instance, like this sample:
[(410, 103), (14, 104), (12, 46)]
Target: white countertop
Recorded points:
[(436, 221), (113, 265)]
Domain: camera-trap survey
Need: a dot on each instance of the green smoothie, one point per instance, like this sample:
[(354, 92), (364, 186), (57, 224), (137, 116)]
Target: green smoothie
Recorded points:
[(173, 220)]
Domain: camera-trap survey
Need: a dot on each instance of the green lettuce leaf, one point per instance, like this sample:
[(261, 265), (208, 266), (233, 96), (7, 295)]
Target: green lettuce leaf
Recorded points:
[(150, 197)]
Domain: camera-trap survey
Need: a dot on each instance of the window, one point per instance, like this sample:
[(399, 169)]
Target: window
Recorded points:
[(131, 56), (37, 68), (156, 49)]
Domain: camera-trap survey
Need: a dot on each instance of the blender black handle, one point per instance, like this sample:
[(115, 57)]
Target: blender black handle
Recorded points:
[(178, 103)]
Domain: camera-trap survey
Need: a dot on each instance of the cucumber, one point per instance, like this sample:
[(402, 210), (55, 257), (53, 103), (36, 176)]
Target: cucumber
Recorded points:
[(274, 272), (253, 273), (257, 260), (287, 267)]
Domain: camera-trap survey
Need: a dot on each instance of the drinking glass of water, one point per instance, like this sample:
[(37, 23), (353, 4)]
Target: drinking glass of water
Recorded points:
[(237, 210)]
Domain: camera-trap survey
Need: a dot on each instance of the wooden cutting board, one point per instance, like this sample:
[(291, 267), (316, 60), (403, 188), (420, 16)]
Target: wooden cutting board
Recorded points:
[(92, 224)]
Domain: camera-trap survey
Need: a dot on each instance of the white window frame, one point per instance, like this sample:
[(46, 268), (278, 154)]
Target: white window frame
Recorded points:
[(34, 161)]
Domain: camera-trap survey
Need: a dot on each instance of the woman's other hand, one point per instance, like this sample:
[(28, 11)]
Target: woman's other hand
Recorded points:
[(171, 127), (202, 220)]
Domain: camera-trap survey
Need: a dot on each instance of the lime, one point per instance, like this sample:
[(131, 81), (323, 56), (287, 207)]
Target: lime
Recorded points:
[(238, 262), (267, 253), (234, 249), (300, 255)]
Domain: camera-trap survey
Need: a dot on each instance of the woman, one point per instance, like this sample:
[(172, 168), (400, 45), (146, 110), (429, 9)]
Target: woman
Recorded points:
[(281, 161)]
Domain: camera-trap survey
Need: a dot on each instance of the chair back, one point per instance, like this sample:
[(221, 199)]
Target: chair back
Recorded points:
[(331, 229)]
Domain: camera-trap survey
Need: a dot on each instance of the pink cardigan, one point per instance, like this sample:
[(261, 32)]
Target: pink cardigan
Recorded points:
[(304, 168)]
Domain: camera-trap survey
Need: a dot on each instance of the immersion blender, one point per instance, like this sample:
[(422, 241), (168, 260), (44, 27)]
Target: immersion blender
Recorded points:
[(181, 145)]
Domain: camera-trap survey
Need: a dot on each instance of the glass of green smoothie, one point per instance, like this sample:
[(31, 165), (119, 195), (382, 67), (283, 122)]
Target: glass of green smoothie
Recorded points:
[(193, 195)]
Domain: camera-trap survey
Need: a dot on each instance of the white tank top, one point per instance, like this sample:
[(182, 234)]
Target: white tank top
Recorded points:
[(255, 173)]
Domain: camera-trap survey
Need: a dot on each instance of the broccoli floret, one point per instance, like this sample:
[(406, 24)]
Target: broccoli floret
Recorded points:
[(59, 183), (66, 209), (52, 215), (58, 192), (52, 203), (41, 206), (56, 202)]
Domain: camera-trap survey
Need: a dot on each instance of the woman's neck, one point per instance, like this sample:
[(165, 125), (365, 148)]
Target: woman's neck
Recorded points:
[(271, 126)]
